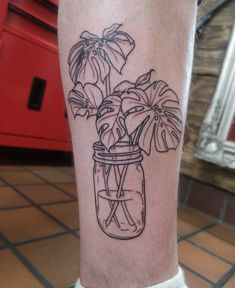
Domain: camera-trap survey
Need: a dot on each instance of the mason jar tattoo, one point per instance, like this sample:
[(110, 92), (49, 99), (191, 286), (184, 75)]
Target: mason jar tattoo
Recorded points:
[(132, 119)]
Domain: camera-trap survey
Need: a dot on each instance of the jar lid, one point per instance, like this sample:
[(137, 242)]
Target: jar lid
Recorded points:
[(119, 154)]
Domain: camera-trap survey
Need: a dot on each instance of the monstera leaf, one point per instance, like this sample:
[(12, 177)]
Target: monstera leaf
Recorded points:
[(144, 79), (124, 86), (93, 57), (85, 64), (84, 101), (110, 121), (157, 115)]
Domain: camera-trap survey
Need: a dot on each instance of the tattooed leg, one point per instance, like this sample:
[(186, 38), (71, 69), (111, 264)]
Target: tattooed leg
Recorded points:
[(126, 68)]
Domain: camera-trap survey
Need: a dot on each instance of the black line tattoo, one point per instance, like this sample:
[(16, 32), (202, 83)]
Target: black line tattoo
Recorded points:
[(130, 118)]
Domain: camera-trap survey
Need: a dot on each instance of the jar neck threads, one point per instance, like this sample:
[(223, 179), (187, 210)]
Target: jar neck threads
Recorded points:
[(119, 154)]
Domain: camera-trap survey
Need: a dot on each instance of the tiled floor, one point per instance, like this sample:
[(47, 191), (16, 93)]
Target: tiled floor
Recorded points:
[(39, 232)]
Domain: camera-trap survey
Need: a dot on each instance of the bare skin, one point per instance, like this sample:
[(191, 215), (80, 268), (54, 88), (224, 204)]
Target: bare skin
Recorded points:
[(163, 33)]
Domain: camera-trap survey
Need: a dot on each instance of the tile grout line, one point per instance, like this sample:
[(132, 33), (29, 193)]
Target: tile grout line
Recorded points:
[(62, 190), (209, 252), (4, 245), (224, 279), (68, 230), (27, 263), (34, 204), (8, 184), (40, 204), (33, 240), (185, 237), (26, 167), (71, 230), (224, 240), (59, 188), (77, 233), (66, 172), (57, 202), (40, 208), (52, 183), (15, 207), (195, 273), (38, 184), (52, 217), (45, 182)]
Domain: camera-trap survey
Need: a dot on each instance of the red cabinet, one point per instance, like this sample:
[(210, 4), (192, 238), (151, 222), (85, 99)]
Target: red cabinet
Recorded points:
[(32, 109)]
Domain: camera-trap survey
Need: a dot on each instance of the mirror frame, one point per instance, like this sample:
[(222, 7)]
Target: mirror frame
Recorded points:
[(212, 144)]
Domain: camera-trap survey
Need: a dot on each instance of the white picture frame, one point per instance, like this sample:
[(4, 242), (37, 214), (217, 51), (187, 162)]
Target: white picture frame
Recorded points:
[(212, 144)]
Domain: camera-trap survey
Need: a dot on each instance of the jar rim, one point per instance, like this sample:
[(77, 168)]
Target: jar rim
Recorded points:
[(120, 145), (119, 154)]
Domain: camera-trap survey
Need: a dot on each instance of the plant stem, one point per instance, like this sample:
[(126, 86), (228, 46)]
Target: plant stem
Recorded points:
[(123, 203), (113, 211), (106, 175), (137, 134), (107, 85)]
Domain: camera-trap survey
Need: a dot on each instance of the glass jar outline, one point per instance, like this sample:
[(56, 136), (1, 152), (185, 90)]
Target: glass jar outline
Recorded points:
[(125, 196)]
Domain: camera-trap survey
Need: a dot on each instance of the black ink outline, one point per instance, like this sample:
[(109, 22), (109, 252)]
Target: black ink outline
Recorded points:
[(117, 162), (99, 55), (142, 111)]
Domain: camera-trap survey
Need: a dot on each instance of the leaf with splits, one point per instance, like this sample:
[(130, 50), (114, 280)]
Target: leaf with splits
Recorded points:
[(155, 115), (93, 57), (85, 101), (110, 121)]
